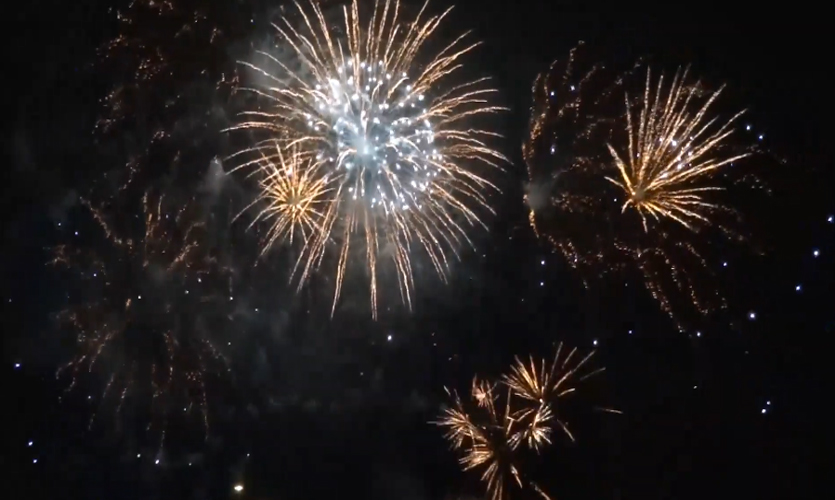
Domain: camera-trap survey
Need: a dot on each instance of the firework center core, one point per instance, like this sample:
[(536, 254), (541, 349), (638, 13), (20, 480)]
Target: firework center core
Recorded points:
[(377, 134)]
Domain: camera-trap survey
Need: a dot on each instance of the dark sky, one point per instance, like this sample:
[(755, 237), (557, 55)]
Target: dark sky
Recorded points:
[(343, 411)]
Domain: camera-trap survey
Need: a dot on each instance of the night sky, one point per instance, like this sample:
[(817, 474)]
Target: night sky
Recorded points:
[(321, 408)]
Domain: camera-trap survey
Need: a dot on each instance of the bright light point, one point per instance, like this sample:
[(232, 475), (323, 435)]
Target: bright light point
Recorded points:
[(139, 297), (138, 455), (768, 403), (752, 315), (760, 137), (748, 127), (816, 252), (156, 462), (238, 488), (724, 264), (763, 411), (798, 288), (630, 332), (830, 219), (388, 338), (543, 262), (541, 283), (30, 443), (594, 342), (698, 334), (17, 365), (76, 233), (34, 461)]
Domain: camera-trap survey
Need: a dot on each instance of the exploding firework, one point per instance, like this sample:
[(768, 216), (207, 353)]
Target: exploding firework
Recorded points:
[(489, 437), (493, 430), (670, 164), (639, 191), (293, 196), (543, 385), (141, 317), (389, 122)]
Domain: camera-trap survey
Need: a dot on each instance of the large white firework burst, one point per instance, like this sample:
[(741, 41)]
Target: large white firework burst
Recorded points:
[(386, 120)]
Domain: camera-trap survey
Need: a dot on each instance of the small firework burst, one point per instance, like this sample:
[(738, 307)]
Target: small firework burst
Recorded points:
[(487, 435), (543, 385), (499, 425), (294, 198), (674, 153), (639, 192)]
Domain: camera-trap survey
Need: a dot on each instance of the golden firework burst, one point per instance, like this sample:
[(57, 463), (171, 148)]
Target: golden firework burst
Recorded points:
[(543, 384), (294, 199), (674, 153), (640, 193), (499, 425), (488, 437)]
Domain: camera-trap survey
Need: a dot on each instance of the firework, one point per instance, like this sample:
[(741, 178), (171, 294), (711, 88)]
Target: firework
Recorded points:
[(139, 319), (489, 438), (543, 385), (390, 121), (294, 199), (494, 430), (673, 154), (638, 191)]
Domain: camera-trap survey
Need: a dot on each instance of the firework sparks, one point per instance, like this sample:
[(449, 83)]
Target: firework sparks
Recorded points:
[(493, 430), (131, 322), (673, 155), (372, 106), (488, 437), (634, 192), (294, 196), (544, 385)]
